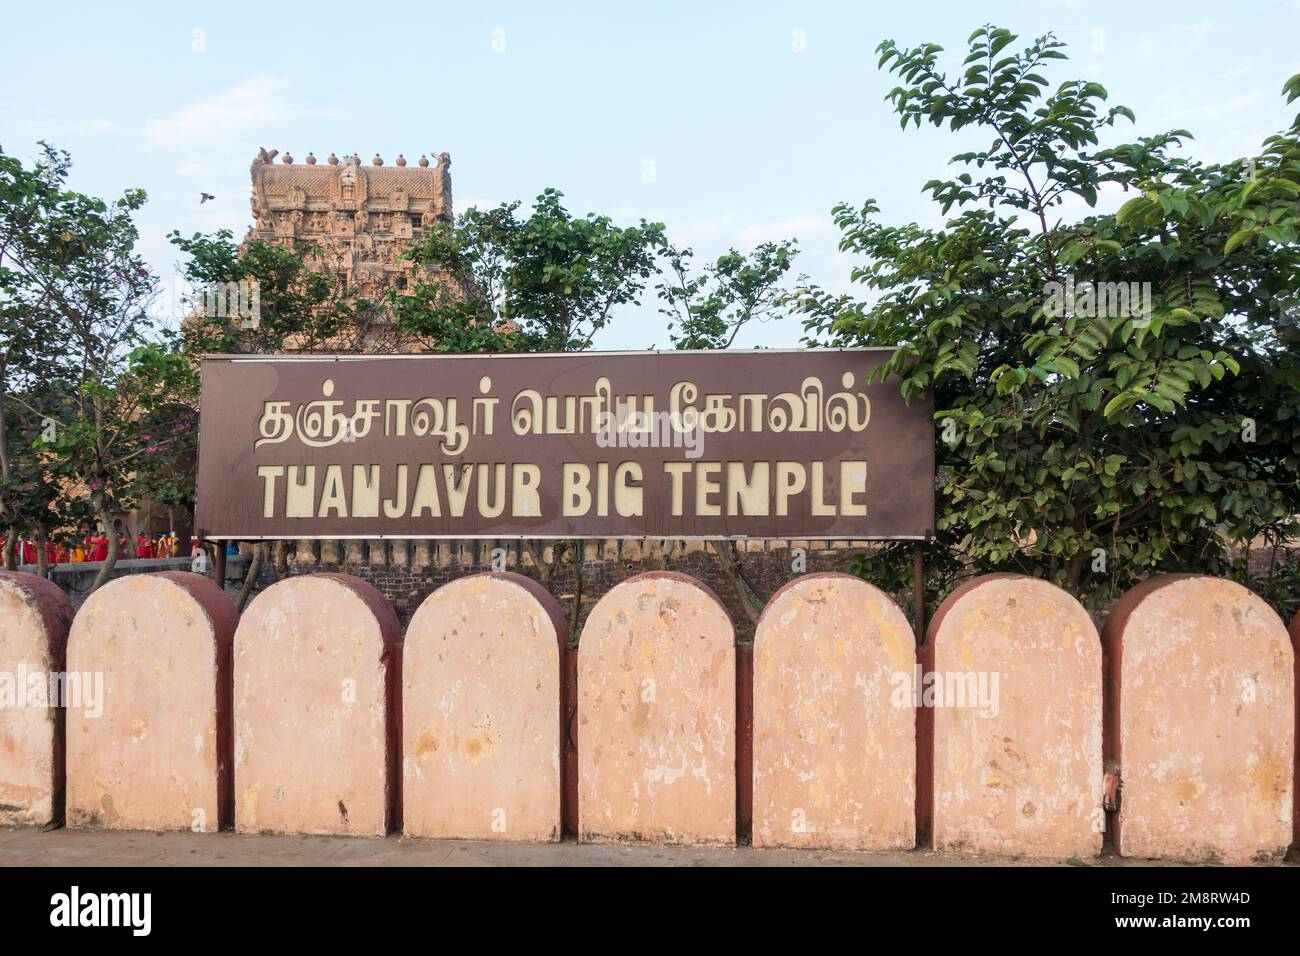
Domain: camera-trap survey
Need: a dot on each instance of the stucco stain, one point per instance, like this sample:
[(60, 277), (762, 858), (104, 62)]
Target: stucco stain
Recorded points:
[(426, 743)]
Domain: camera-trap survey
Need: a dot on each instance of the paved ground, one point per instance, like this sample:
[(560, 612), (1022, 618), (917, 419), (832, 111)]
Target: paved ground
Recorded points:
[(32, 847)]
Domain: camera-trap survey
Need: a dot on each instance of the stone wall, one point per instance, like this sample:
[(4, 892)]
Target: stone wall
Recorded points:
[(75, 579), (408, 572), (1012, 729)]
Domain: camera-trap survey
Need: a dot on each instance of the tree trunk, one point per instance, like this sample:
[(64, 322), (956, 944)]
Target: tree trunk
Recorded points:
[(545, 569), (250, 579), (1074, 572), (183, 517), (4, 449), (114, 545), (750, 600), (577, 557), (11, 549), (42, 559)]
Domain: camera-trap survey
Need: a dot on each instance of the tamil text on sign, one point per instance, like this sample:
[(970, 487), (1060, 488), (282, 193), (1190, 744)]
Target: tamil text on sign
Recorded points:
[(764, 444)]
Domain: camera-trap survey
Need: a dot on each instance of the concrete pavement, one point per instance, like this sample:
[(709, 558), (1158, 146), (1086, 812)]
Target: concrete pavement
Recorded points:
[(88, 848)]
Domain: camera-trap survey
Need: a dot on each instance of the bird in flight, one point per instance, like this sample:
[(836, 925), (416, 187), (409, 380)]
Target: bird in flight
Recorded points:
[(204, 197)]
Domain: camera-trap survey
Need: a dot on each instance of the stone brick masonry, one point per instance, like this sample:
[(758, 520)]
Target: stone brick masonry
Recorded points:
[(408, 572)]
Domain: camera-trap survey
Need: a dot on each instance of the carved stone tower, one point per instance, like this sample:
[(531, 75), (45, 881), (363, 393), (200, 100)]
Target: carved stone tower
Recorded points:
[(356, 219)]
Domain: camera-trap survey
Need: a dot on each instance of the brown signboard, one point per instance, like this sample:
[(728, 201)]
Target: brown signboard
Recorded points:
[(763, 444)]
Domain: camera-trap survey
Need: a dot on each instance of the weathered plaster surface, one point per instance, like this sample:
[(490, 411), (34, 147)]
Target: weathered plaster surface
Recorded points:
[(311, 708), (151, 760), (1023, 776), (34, 621), (1207, 722), (481, 712), (656, 715), (834, 746)]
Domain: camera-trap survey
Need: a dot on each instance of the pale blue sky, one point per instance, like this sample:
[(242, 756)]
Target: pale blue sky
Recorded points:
[(756, 118)]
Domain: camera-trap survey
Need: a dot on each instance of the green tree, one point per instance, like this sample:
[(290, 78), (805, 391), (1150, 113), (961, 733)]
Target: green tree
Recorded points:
[(707, 309), (1081, 438), (498, 281), (298, 307), (35, 499), (287, 305), (100, 300), (92, 373), (28, 337), (547, 282)]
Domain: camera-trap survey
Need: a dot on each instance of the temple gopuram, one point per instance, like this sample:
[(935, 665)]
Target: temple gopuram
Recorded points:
[(356, 219)]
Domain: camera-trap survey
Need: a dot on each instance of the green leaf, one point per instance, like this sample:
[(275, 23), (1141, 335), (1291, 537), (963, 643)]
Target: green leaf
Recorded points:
[(1236, 239)]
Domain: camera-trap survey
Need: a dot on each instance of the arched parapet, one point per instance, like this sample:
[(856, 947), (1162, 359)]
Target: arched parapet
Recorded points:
[(1010, 722), (157, 753), (834, 721), (34, 691), (1201, 721), (656, 714), (481, 711), (317, 709)]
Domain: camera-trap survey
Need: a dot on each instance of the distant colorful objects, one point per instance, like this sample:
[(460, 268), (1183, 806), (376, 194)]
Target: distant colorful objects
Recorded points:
[(72, 550)]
